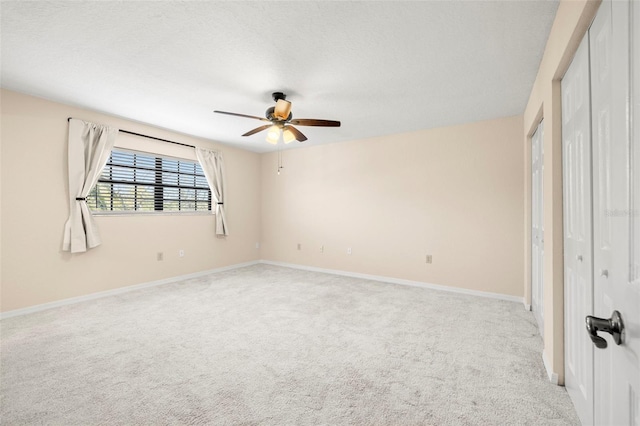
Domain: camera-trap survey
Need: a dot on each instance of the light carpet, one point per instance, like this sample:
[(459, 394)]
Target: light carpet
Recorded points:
[(277, 346)]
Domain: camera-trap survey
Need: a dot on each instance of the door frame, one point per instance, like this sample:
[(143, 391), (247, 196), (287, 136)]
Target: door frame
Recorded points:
[(539, 286)]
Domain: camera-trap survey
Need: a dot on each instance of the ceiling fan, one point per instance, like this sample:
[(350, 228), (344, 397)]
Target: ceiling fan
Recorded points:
[(281, 122)]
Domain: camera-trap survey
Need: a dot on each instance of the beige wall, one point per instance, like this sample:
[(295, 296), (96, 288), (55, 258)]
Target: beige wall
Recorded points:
[(571, 23), (455, 193), (35, 208)]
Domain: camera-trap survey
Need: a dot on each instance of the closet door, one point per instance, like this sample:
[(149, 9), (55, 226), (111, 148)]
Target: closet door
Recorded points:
[(578, 278), (616, 285), (537, 226)]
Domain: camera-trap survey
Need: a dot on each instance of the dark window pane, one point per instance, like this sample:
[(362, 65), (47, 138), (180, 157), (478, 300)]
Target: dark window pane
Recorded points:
[(142, 182)]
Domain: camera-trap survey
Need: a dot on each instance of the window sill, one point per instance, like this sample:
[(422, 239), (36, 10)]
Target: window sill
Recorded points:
[(134, 213)]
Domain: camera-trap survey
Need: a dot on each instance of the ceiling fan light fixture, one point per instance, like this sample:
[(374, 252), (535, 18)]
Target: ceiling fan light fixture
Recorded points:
[(288, 135), (273, 135), (282, 109)]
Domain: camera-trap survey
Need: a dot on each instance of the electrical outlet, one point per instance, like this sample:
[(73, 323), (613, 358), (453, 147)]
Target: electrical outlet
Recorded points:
[(349, 251), (257, 245), (160, 256), (429, 259), (181, 253), (299, 246), (321, 249)]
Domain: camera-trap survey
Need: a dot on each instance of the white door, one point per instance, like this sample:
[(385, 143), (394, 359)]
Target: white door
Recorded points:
[(615, 196), (578, 275), (537, 225)]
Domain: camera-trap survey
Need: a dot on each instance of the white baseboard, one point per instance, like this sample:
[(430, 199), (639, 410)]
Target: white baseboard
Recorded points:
[(398, 281), (553, 377), (92, 296)]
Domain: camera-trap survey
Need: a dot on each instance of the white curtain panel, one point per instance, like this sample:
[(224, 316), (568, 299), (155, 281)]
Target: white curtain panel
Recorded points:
[(89, 149), (213, 168)]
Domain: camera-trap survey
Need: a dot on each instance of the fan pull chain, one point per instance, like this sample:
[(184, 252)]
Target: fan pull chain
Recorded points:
[(279, 159)]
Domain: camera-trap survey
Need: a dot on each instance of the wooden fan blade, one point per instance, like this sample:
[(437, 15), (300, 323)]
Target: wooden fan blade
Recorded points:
[(282, 109), (257, 129), (314, 122), (297, 133), (241, 115)]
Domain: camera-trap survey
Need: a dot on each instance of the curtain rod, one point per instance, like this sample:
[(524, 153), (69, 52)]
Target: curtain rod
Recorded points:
[(149, 137)]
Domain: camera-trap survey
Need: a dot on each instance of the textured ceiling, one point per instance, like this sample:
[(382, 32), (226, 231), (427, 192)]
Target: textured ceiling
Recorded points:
[(379, 67)]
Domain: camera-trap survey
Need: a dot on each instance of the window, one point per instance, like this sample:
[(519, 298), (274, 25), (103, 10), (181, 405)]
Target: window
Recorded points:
[(139, 182)]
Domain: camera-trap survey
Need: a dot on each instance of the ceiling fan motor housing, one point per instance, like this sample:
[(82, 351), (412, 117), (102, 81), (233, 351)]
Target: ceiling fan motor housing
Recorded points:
[(270, 116)]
